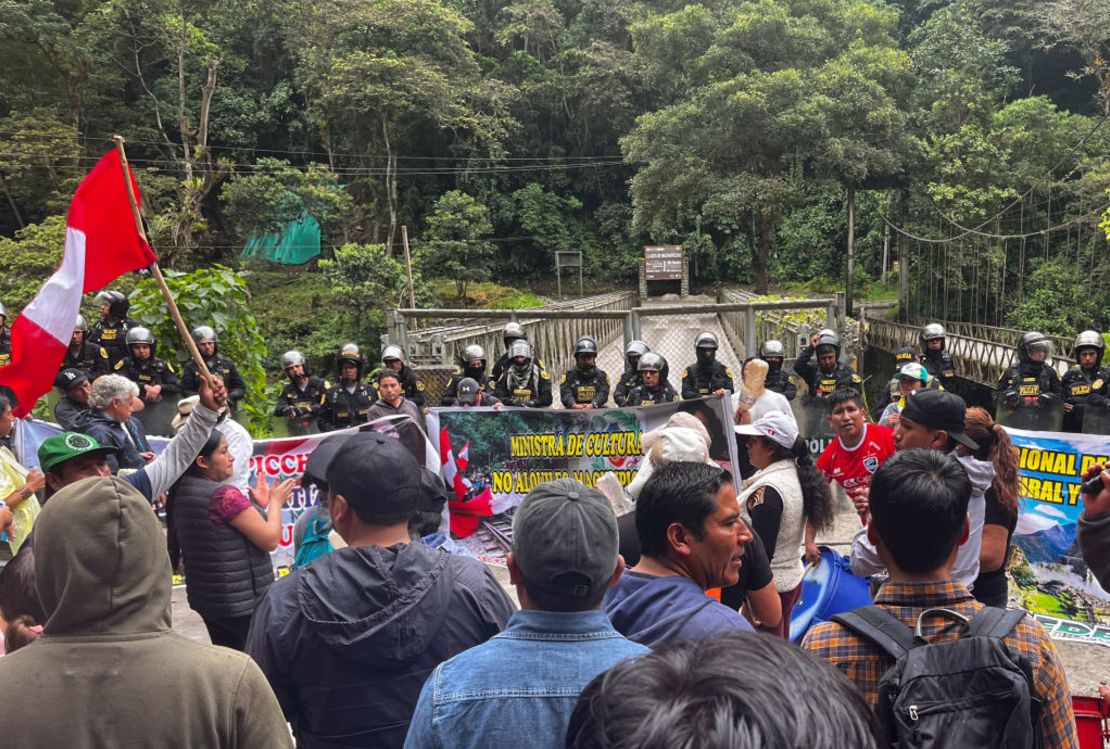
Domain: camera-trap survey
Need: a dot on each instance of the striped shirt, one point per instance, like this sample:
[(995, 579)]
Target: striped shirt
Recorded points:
[(865, 663)]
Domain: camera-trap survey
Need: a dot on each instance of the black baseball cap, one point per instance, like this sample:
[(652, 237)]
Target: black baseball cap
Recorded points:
[(939, 409), (316, 467), (376, 472), (70, 378), (468, 391)]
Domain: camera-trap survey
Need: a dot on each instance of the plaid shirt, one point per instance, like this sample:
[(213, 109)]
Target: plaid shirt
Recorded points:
[(865, 663)]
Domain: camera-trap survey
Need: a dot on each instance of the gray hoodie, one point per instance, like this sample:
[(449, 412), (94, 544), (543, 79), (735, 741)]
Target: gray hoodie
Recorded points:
[(348, 641), (865, 559), (108, 670)]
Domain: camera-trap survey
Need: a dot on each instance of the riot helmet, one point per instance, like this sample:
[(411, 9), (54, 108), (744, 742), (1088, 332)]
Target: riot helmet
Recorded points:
[(116, 301), (651, 362), (139, 335), (633, 351), (79, 324), (205, 333), (1088, 339), (4, 314), (352, 354), (706, 346), (931, 332), (772, 348), (517, 349), (585, 347), (292, 359), (393, 354), (514, 331), (473, 352), (1033, 342)]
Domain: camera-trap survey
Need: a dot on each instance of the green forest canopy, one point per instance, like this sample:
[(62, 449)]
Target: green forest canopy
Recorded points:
[(500, 132)]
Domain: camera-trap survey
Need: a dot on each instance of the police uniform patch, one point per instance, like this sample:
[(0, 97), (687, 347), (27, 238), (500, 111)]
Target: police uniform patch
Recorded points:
[(119, 364), (1097, 384), (544, 374), (420, 385), (562, 379), (728, 373), (685, 372), (103, 353)]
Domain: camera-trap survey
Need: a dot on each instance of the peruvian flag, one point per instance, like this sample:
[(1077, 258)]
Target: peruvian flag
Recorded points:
[(464, 457), (464, 513), (102, 243)]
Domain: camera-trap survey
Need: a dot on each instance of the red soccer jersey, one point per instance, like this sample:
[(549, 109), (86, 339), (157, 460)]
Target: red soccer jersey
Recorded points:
[(852, 468)]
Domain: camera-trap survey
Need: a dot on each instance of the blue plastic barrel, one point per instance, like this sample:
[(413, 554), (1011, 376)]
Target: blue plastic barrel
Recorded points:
[(829, 587)]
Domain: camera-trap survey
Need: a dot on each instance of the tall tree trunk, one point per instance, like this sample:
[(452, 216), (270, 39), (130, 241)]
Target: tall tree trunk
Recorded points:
[(390, 187), (851, 251), (182, 116), (11, 202)]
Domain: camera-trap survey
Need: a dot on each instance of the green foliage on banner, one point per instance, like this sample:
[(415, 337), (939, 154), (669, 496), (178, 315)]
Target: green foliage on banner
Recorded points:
[(215, 296)]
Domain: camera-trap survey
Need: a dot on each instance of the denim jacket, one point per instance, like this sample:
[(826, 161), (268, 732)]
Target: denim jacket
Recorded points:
[(520, 686)]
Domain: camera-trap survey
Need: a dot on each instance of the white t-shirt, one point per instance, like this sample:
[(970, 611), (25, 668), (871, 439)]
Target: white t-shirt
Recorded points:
[(768, 402)]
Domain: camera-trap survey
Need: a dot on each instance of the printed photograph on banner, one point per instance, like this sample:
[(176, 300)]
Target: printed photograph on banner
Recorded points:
[(491, 459), (1048, 575)]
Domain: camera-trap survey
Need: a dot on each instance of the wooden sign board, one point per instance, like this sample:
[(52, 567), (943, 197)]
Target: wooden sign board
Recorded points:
[(663, 262)]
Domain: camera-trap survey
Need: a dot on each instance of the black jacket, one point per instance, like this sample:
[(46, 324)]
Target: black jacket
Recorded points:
[(822, 384), (641, 396), (348, 642), (779, 382), (941, 366), (225, 573), (218, 365), (1028, 384), (5, 347), (485, 383), (536, 393), (153, 371), (111, 337), (698, 381), (342, 409), (69, 413), (576, 387), (107, 431), (1082, 389), (629, 379), (303, 404), (89, 358)]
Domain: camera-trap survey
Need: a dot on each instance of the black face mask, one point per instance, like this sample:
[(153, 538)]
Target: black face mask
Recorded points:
[(586, 369), (773, 365), (706, 357), (475, 373)]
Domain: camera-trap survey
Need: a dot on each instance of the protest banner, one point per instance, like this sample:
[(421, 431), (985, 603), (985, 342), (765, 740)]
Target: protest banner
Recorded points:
[(1048, 576), (493, 458)]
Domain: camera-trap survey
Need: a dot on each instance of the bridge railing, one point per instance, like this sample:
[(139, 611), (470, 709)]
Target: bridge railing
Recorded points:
[(978, 359), (435, 337), (1004, 336), (763, 321)]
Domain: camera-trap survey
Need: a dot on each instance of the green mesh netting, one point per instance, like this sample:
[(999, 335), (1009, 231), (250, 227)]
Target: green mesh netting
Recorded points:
[(299, 243)]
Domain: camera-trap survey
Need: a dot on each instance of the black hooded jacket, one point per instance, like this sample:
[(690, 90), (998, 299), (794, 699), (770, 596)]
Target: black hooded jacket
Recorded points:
[(348, 641)]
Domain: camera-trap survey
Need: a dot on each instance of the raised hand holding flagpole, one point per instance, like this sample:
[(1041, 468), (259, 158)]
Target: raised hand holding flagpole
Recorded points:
[(214, 382)]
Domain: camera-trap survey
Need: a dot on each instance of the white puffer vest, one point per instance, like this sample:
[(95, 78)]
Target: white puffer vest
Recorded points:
[(786, 565)]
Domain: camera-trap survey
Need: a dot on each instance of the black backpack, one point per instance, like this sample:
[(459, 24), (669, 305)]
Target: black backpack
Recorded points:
[(970, 692)]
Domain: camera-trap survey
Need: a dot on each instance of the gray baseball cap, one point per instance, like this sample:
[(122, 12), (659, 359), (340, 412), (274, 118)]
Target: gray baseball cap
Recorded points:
[(565, 539), (468, 391)]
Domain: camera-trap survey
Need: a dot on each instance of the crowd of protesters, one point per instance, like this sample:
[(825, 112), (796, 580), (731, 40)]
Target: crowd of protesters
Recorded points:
[(667, 625)]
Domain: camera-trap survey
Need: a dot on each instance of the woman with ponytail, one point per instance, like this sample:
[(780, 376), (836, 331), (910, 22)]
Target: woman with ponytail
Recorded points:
[(786, 501), (1001, 498)]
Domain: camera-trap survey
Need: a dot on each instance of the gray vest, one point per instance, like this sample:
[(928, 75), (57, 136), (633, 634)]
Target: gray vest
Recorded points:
[(224, 572)]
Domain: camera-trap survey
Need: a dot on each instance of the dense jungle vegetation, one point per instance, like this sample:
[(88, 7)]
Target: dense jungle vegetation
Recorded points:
[(499, 132)]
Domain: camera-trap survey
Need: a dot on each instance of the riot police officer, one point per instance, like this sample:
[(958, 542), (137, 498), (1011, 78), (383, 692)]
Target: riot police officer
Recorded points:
[(653, 388), (110, 331), (630, 378), (5, 338), (524, 382), (472, 364), (774, 353), (706, 376), (935, 359), (393, 358), (1032, 382), (217, 363), (81, 354), (514, 331), (303, 396), (155, 377), (893, 391), (585, 386), (347, 401), (828, 374), (1085, 385)]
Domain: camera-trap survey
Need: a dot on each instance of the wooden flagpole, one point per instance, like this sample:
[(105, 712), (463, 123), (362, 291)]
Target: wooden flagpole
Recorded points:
[(157, 272)]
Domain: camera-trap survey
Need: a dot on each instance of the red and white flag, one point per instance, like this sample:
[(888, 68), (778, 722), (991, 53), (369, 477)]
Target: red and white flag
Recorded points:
[(464, 457), (102, 243)]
